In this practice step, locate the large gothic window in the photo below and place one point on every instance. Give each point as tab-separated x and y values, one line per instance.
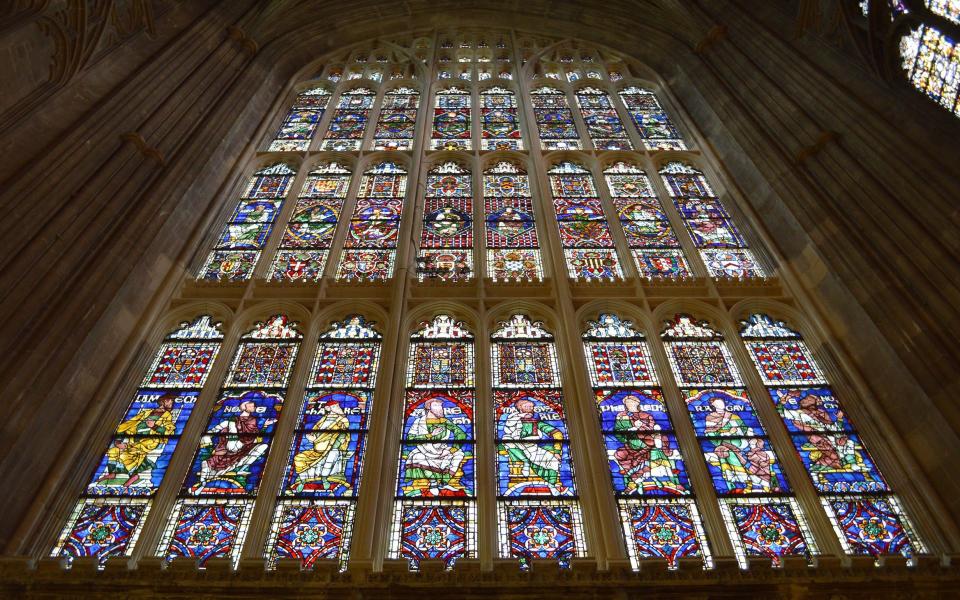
516	300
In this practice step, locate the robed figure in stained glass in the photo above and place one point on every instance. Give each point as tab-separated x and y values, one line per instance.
542	461
643	457
434	466
746	466
328	451
231	454
130	460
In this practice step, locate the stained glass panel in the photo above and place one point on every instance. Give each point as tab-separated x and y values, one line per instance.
511	234
203	529
451	120
931	60
301	122
651	121
446	240
397	122
349	120
554	120
667	529
604	126
541	530
501	125
872	526
766	528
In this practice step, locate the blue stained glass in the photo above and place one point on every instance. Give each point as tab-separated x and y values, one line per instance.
534	469
256	211
433	532
808	410
743	466
227	465
312	533
534	415
205	531
324	462
838	463
769	530
244	236
132	466
435	470
646	464
252	413
103	530
722	413
872	526
538	532
335	409
438	416
158	413
663	531
632	410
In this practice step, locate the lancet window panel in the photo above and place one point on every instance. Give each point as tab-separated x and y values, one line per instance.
653	243
931	61
722	246
314	516
107	520
446	239
369	251
301	122
513	247
588	245
238	247
604	126
397	123
539	513
651	120
452	122
501	123
865	513
302	254
211	515
554	119
648	474
761	515
435	506
349	121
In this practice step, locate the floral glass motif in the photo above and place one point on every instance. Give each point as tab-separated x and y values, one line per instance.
653	243
446	240
106	520
349	120
722	247
397	122
370	248
302	254
210	519
554	120
451	120
314	515
513	250
767	528
651	121
642	450
865	514
501	124
301	122
584	233
533	448
243	237
604	126
931	60
434	510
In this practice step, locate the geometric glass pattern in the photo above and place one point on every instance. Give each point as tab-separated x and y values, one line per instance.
243	237
369	250
210	518
588	246
301	122
866	516
533	447
501	125
349	121
653	243
314	515
651	120
107	519
766	528
604	126
722	247
451	120
554	120
446	240
434	509
306	241
669	529
397	122
513	250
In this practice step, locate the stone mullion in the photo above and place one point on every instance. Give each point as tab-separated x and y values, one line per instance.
783	447
486	452
586	140
261	519
621	246
706	497
169	490
373	115
280	221
349	203
628	125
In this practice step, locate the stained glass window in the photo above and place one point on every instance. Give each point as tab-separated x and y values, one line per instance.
652	122
306	241
370	248
314	516
931	60
397	123
588	246
653	243
865	514
435	508
949	9
108	518
301	122
501	125
451	120
349	121
446	239
761	515
212	513
513	249
238	247
536	491
654	495
722	247
554	119
603	123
